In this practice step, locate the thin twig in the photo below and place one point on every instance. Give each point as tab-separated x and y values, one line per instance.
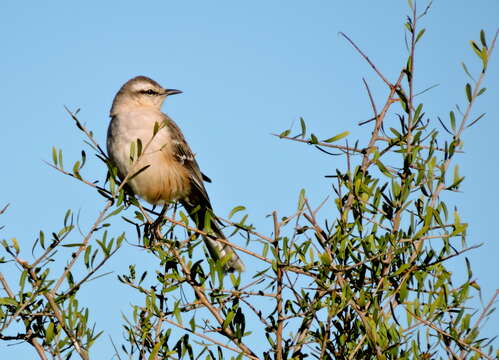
339	147
278	270
367	59
371	99
200	292
82	248
446	334
464	120
57	312
202	336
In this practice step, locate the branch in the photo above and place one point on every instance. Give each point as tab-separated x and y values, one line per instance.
389	84
210	339
446	334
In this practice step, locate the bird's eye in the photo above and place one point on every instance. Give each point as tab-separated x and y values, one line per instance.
149	92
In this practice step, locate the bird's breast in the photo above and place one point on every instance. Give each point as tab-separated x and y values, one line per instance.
165	179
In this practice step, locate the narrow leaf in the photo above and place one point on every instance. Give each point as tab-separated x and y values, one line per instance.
468	92
303	127
284	133
337	137
235	210
421	32
49	333
452	120
476	120
54	155
476	49
465	68
8	301
139	147
482	39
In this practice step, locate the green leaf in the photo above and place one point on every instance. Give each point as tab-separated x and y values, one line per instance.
475	286
115	212
452	117
456	173
468	268
8	301
482	90
120	240
421	32
383	169
15	244
156	128
155	350
176	312
42	239
468	92
83	158
465	68
408	69
76	169
228	319
303	127
265	249
476	49
428	216
49	333
54	155
337	137
132	151
482	39
73	245
403	99
60	159
476	120
313	139
235	210
284	133
67	216
192	323
207	221
22	280
396	133
184	218
86	256
139	147
301	199
418	112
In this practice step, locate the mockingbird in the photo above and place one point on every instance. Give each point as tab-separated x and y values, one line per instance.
171	172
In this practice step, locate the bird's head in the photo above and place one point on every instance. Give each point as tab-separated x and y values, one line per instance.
140	91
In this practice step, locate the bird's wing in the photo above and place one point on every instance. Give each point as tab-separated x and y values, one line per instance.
184	155
197	203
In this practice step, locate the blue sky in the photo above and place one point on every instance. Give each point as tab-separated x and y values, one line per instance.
247	69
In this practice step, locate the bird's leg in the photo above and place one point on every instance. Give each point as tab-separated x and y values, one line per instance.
173	216
156	225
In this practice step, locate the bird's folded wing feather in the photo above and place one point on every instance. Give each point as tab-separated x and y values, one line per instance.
184	155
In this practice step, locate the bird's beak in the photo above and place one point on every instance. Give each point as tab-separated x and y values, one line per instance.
169	92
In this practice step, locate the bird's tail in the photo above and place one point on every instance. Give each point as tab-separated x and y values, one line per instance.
217	249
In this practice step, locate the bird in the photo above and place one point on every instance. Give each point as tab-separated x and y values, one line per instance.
167	168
